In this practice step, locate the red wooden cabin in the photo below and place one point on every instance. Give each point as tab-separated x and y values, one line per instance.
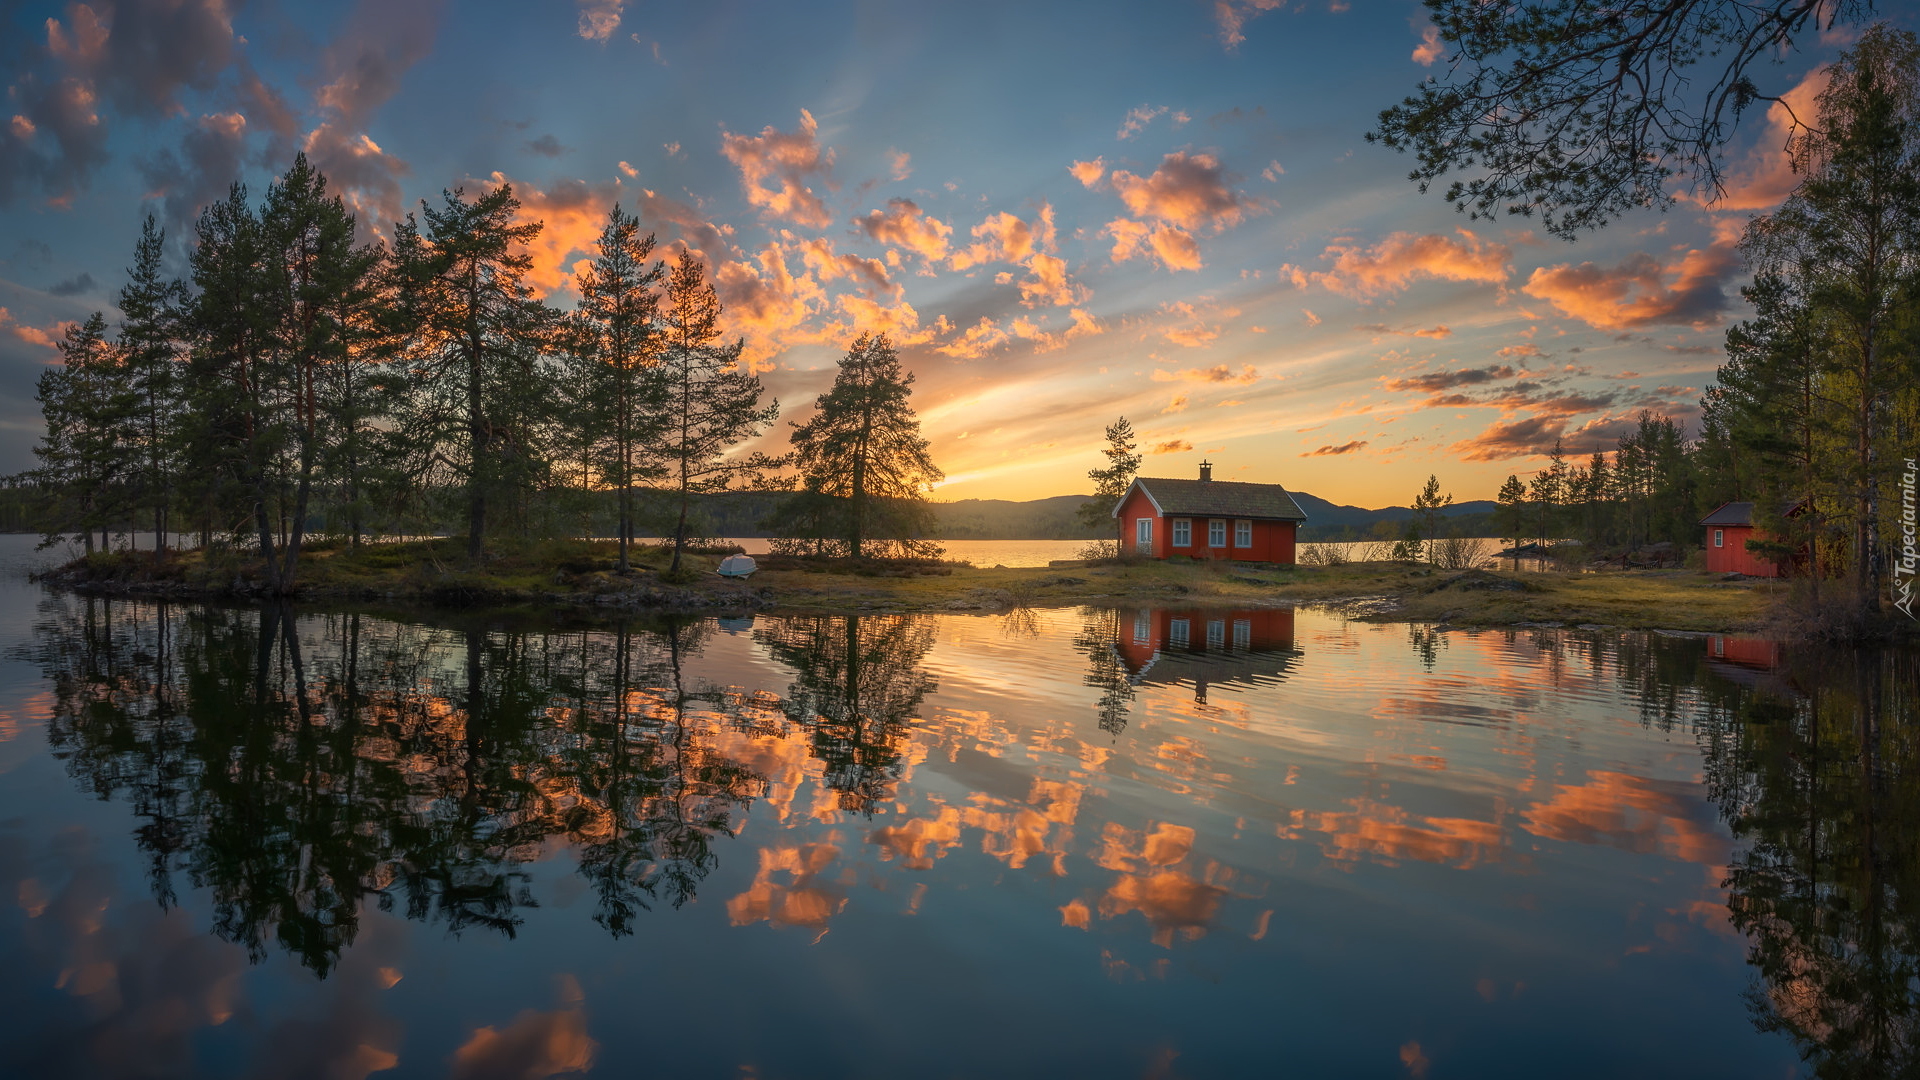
1208	519
1728	530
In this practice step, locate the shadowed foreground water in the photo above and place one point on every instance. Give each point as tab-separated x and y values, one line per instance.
1132	842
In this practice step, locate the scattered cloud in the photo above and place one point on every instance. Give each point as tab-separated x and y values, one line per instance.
1187	190
1335	451
360	71
1219	373
1137	119
208	159
903	224
1531	437
1526	350
74	286
1002	237
32	335
1089	172
1765	176
1171	446
1636	293
1232	16
1049	284
600	18
546	146
1428	382
1175	248
1435	332
900	164
1429	49
787	159
571	215
1397	261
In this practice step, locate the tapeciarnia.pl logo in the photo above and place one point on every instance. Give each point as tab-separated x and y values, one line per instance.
1909	562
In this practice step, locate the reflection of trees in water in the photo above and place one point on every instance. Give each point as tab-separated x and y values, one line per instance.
857	687
1099	641
297	769
1819	775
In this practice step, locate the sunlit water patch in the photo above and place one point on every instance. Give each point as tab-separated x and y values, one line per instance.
1102	842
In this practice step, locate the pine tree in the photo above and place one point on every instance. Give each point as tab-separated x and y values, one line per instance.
1511	516
1111	483
1427	506
707	402
87	404
149	346
863	463
313	281
231	430
617	345
1548	491
477	399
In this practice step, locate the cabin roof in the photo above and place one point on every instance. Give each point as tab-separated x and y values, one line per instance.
1216	498
1733	513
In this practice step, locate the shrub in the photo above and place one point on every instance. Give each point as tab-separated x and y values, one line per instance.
1460	552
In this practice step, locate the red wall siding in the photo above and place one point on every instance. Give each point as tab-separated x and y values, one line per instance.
1732	557
1273	541
1137	506
1279	539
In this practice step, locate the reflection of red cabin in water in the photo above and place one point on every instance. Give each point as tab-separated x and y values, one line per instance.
1728	530
1744	660
1746	651
1165	646
1208	519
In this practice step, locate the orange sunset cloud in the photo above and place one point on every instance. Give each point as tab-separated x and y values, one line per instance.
787	159
1400	259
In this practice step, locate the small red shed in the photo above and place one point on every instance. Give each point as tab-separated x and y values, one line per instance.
1728	530
1208	519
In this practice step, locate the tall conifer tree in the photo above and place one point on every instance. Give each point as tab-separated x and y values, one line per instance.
863	463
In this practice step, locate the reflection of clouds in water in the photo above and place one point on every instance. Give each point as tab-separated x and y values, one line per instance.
1635	814
800	902
1387	833
135	985
536	1045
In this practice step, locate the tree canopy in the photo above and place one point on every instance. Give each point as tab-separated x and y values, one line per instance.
1577	112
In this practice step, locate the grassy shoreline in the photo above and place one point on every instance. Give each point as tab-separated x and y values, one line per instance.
579	575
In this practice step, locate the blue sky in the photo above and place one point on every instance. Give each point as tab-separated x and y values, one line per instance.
1061	212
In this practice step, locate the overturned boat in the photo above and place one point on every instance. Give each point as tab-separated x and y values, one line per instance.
738	566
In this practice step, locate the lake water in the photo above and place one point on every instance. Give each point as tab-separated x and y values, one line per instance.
1134	842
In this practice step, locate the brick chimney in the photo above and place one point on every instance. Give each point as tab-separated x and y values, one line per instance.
1206	470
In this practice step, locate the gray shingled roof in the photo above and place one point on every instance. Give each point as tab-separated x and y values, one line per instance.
1219	498
1733	513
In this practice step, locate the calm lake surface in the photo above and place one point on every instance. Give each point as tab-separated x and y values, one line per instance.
1130	842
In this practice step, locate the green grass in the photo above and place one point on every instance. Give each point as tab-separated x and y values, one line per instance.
438	571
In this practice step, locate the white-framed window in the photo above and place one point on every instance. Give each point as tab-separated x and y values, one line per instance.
1216	633
1216	533
1243	633
1142	627
1143	534
1178	632
1243	534
1182	532
1719	538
